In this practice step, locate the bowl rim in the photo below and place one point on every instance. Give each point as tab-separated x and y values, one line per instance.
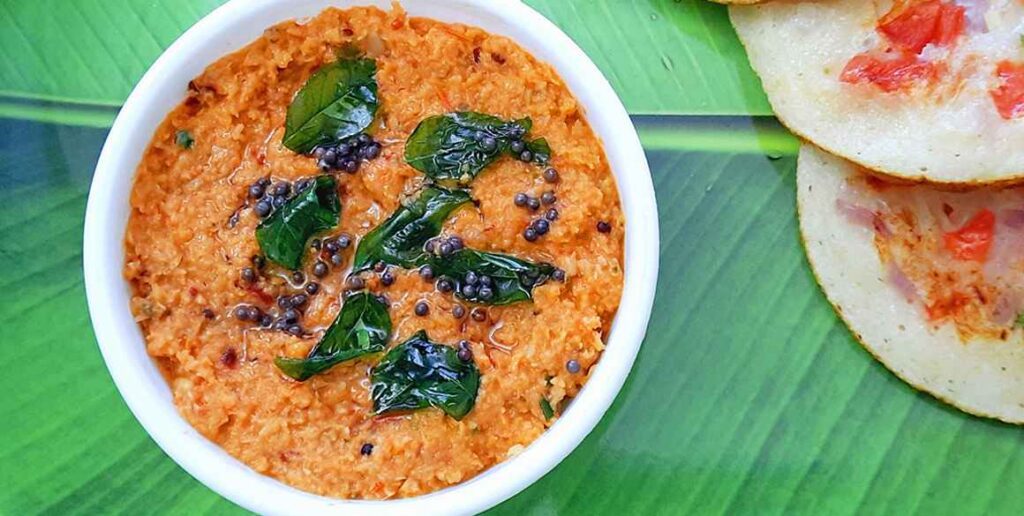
123	347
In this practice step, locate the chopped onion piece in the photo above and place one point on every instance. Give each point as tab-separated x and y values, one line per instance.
975	11
901	282
856	214
1013	218
1005	309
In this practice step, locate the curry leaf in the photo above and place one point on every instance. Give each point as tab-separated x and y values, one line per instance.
540	149
363	326
512	279
457	146
400	239
338	101
283	235
418	374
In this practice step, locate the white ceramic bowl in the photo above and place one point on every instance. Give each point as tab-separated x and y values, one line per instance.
229	28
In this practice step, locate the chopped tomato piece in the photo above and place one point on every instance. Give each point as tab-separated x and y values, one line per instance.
889	74
908	28
915	26
952	22
972	241
1009	96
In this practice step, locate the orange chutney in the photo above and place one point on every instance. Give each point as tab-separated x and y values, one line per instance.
184	257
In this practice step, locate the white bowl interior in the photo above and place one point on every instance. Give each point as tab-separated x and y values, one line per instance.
231	27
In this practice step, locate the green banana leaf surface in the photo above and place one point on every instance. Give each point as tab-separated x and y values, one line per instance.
748	396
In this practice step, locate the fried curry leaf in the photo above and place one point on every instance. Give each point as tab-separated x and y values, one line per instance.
362	327
457	146
399	240
540	149
418	374
283	235
338	101
513	278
